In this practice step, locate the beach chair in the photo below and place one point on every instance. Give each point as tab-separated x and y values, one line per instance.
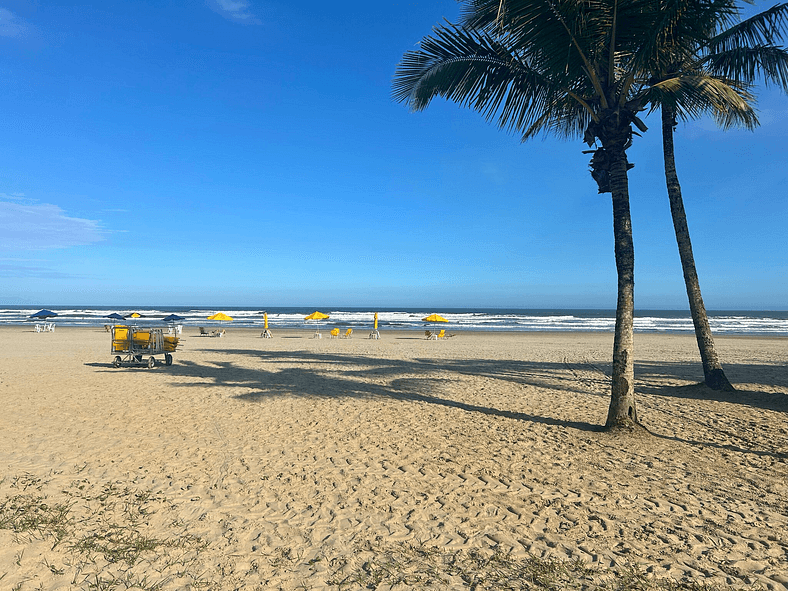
38	328
441	334
334	333
429	335
347	334
50	327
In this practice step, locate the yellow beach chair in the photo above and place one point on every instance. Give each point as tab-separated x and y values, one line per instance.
347	333
334	333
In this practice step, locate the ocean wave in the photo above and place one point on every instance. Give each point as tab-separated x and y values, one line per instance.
736	323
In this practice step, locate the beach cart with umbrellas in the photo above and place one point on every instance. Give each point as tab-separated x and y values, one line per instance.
135	345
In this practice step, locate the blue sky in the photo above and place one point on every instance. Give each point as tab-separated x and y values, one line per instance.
248	153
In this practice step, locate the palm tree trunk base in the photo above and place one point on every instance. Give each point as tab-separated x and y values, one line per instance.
627	427
716	380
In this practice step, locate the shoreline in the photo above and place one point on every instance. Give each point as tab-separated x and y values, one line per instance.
295	460
362	333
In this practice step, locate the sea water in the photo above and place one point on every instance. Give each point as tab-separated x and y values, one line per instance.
493	319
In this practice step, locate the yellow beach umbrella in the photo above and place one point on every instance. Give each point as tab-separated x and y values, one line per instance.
434	318
265	320
316	316
376	320
136	315
221	316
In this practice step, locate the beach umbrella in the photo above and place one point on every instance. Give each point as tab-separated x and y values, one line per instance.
318	316
375	334
172	318
114	316
43	314
434	318
134	315
266	333
221	316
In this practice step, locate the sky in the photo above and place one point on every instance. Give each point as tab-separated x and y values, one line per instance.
249	153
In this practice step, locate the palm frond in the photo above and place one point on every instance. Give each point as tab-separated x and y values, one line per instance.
691	96
481	73
749	64
765	28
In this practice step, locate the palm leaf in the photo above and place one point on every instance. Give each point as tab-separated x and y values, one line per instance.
692	96
765	28
481	73
749	64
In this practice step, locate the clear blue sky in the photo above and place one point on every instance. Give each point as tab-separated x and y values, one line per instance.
248	152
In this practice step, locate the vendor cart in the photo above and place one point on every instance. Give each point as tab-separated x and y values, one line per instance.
133	344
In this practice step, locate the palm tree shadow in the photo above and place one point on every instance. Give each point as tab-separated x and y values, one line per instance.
334	382
769	376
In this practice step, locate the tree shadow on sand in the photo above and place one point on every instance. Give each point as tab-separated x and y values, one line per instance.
771	376
417	380
331	375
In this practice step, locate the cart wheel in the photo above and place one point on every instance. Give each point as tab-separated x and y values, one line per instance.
117	361
167	359
151	363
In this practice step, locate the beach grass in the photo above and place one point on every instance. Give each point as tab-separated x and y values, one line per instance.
107	543
103	537
418	566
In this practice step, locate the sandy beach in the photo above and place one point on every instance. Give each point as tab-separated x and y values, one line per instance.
298	463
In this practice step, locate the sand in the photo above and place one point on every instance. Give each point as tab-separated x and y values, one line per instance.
290	463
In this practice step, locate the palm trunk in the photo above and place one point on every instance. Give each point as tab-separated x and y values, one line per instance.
623	411
712	369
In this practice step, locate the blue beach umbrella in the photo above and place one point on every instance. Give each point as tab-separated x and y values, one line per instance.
43	314
114	316
172	318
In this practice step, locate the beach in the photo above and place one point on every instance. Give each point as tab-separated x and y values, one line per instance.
298	463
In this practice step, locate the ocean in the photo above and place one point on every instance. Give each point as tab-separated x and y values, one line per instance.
773	323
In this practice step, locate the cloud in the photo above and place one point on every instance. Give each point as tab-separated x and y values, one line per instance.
11	25
235	10
43	226
26	270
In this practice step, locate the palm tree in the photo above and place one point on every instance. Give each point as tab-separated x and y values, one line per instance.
708	63
561	67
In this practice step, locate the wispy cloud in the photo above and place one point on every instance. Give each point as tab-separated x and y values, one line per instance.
11	25
21	269
25	226
235	10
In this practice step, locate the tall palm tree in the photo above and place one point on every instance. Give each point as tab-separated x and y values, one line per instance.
553	66
714	54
